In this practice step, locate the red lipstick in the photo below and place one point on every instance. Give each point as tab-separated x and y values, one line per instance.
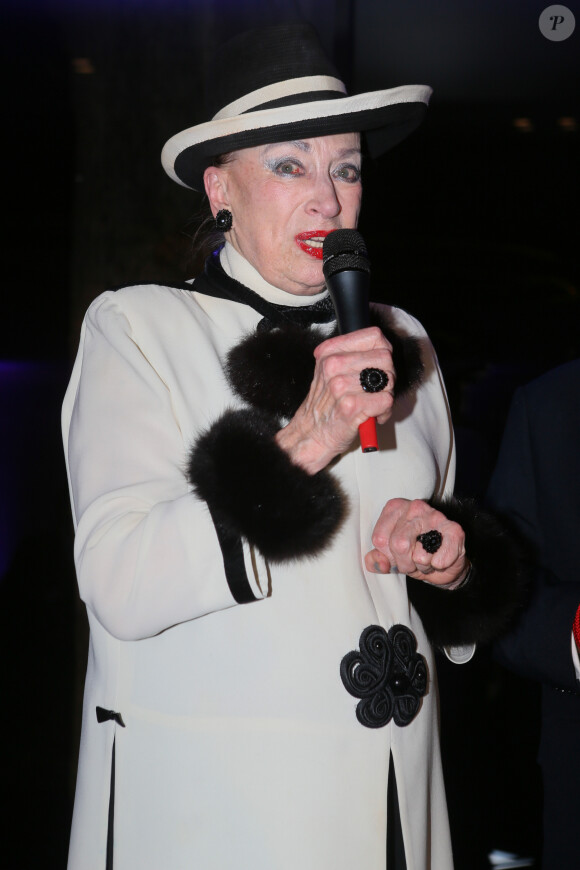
311	242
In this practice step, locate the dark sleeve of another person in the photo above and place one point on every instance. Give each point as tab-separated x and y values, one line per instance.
532	486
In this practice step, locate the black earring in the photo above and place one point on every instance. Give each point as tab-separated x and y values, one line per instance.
223	220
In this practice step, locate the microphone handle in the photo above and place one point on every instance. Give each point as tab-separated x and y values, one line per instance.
349	291
367	433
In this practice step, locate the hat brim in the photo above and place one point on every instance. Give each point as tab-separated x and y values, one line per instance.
386	117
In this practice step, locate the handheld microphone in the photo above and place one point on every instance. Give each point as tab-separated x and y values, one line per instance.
346	268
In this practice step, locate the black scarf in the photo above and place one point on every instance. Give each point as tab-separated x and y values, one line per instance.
215	282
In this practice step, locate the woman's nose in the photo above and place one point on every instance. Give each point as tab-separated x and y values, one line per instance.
324	199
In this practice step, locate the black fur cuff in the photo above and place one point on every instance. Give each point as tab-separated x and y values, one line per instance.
254	490
484	607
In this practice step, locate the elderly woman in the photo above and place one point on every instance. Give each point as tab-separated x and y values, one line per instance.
261	691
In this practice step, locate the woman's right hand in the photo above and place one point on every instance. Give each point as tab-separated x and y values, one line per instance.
328	419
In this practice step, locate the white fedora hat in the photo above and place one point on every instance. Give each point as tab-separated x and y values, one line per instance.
275	84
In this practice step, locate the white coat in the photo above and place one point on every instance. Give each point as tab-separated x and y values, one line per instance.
239	747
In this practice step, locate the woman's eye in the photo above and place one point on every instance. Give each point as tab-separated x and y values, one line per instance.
288	167
348	173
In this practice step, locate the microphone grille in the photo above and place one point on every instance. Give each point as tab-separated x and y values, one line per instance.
344	249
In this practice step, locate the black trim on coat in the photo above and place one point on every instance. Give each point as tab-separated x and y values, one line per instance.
254	491
485	606
111	816
396	859
104	715
234	562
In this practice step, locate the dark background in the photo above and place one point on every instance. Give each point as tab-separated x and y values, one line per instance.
472	225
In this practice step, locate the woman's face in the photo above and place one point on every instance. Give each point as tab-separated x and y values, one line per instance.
285	198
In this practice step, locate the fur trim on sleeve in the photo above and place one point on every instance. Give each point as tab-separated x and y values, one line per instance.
256	492
483	608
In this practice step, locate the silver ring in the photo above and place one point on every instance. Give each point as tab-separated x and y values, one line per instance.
373	380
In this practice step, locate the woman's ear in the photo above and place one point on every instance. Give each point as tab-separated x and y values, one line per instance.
215	188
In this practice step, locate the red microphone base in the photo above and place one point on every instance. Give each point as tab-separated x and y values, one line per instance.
367	432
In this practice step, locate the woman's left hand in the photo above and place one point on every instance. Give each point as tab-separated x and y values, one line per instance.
396	547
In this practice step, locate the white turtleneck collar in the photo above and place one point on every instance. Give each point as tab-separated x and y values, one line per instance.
236	266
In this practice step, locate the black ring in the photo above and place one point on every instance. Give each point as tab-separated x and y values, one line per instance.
373	380
431	541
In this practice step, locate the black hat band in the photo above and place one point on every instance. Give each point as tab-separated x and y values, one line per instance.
285	93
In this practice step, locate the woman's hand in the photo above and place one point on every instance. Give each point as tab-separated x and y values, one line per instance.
396	546
327	421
